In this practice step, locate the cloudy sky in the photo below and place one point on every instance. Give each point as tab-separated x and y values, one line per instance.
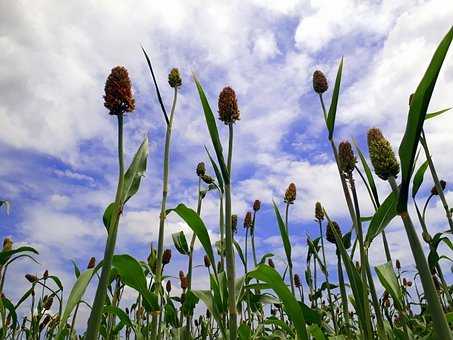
58	143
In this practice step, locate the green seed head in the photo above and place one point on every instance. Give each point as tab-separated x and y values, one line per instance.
382	156
346	158
228	106
174	79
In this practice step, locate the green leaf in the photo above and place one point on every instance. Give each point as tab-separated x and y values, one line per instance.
75	296
244	332
76	269
6	255
218	173
368	173
290	305
283	234
124	318
389	281
239	250
264	257
190	301
107	217
418	178
171	315
334	102
136	171
382	217
437	113
12	310
311	316
196	224
180	242
131	273
316	332
416	118
213	132
280	324
207	298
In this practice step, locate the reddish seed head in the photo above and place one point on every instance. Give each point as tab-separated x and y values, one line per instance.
91	263
228	106
256	205
248	220
118	96
290	194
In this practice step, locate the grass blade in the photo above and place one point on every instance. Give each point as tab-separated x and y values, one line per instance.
334	102
418	178
381	218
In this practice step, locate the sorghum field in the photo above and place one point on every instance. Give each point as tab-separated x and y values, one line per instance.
248	296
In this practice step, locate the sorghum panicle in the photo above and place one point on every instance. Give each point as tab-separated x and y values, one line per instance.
290	194
174	79
201	169
91	263
346	157
330	236
319	82
256	205
319	212
166	256
228	106
118	96
248	220
7	244
382	156
234	223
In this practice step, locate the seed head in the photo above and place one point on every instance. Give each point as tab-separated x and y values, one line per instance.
271	263
346	157
297	282
319	213
174	79
319	82
7	244
256	205
398	264
382	156
118	96
330	236
290	194
45	276
248	220
31	278
234	223
228	106
184	282
47	303
168	287
404	281
91	263
201	169
207	179
207	261
166	256
434	191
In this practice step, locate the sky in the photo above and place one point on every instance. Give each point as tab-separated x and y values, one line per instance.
58	142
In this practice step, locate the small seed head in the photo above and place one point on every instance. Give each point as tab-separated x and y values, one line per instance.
346	158
174	79
297	282
166	256
7	244
290	194
256	205
45	276
248	220
398	264
382	156
91	263
330	236
31	278
234	223
228	106
319	212
207	179
271	263
168	287
201	169
442	183
319	82
207	261
118	96
47	303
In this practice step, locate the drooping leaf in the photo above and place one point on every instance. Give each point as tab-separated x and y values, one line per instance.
180	242
416	117
418	178
136	171
213	132
264	257
382	217
334	102
290	304
197	225
6	255
131	273
389	281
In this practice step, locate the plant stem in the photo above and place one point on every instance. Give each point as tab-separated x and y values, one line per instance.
326	274
344	297
160	244
229	243
436	179
252	237
290	262
94	322
433	302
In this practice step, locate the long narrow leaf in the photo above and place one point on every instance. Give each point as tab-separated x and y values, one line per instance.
418	178
382	217
284	234
334	102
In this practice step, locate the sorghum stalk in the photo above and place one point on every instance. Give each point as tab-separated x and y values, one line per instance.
230	266
252	239
290	265
344	297
436	179
162	217
94	322
433	302
326	274
192	241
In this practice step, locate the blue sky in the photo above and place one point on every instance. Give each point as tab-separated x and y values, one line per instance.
58	143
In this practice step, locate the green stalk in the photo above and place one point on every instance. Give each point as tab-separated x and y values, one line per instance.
344	297
433	302
94	321
290	262
229	243
160	244
252	237
364	266
222	231
436	179
326	274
